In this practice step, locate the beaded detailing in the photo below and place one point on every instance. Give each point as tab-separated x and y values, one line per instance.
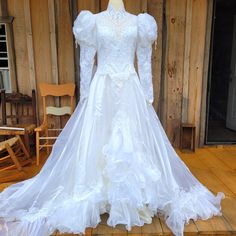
117	19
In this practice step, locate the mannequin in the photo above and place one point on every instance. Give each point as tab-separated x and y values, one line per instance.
117	4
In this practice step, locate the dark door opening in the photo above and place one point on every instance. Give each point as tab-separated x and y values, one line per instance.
221	91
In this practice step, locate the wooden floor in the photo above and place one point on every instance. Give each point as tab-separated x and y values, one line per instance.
215	167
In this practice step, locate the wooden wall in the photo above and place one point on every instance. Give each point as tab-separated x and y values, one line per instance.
44	47
183	65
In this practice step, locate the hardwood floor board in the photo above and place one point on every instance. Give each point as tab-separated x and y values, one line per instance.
165	229
216	225
229	212
193	162
28	171
214	167
210	180
190	228
225	156
104	228
228	178
208	159
135	230
152	229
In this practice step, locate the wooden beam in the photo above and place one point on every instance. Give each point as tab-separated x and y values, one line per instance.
187	48
30	51
30	48
199	21
174	67
3	8
54	54
53	40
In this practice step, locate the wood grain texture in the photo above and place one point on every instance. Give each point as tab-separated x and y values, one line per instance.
3	8
199	14
53	41
65	42
187	49
42	45
155	8
92	5
175	14
30	49
16	9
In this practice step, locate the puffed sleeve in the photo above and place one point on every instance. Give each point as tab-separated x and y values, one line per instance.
84	30
147	34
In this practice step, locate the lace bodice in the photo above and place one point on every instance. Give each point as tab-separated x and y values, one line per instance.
115	35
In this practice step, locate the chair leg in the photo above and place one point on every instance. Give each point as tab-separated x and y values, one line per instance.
27	142
47	142
13	157
23	147
37	148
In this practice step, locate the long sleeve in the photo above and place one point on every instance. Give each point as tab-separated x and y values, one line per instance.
147	34
84	31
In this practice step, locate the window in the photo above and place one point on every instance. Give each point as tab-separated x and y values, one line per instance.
5	82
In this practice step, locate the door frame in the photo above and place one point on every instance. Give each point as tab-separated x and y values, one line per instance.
206	72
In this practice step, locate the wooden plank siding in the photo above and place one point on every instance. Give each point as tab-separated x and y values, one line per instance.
175	18
16	9
45	52
196	64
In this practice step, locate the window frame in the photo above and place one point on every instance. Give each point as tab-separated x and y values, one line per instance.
8	22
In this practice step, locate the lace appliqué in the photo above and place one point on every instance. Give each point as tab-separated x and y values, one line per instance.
117	21
87	54
145	71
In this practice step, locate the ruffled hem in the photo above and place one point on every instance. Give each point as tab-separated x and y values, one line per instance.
197	203
74	216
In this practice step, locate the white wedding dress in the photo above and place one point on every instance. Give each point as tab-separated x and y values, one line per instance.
113	154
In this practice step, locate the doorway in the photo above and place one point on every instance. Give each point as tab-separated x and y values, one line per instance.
221	90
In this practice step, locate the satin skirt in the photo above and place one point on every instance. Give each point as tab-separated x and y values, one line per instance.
112	156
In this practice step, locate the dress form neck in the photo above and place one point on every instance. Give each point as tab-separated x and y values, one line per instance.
116	5
116	12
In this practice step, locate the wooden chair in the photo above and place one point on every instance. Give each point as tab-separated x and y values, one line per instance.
13	153
43	132
18	115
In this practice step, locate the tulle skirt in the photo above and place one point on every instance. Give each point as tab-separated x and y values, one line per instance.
112	156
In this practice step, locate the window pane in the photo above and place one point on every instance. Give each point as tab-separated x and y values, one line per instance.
3	47
3	63
2	29
3	54
5	80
